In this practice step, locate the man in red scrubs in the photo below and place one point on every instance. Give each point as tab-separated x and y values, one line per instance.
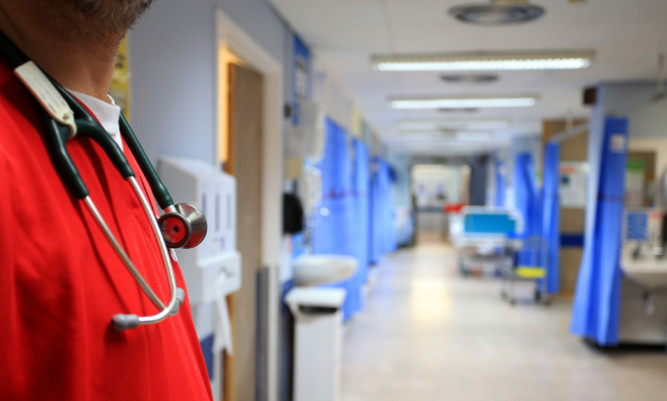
60	279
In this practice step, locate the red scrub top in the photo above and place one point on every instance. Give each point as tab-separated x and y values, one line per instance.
61	282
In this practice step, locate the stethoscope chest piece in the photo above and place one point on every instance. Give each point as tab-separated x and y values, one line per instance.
183	226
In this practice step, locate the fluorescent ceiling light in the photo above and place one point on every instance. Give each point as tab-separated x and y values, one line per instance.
453	124
425	137
463	102
485	61
450	138
475	136
425	134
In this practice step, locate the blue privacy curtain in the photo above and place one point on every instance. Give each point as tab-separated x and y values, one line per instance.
383	232
500	184
335	233
597	298
360	238
389	209
528	202
551	215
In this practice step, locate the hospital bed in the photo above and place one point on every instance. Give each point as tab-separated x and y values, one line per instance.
488	244
485	239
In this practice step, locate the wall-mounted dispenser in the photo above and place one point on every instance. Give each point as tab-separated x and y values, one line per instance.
213	269
308	134
310	189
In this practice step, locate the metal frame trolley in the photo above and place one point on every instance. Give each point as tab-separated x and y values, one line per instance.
530	264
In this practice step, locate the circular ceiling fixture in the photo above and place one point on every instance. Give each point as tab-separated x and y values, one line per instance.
498	12
469	78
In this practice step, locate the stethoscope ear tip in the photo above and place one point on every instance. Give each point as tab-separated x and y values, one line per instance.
180	298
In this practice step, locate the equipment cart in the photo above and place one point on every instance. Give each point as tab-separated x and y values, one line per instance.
530	265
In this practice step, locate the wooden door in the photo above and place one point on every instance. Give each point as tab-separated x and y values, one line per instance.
572	220
245	163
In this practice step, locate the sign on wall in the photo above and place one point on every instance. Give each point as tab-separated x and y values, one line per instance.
573	184
120	83
635	175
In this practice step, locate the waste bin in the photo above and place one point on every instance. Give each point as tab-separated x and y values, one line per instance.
318	342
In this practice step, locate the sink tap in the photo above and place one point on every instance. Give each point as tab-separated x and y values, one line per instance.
312	222
649	304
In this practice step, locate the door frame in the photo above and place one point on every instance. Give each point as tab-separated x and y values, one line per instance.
229	34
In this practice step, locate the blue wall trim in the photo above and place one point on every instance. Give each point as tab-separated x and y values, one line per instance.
572	240
207	349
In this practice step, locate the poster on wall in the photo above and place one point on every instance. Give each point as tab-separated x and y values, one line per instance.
304	115
573	184
302	75
635	175
120	83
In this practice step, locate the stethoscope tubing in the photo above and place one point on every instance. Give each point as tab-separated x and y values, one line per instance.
169	268
90	128
160	192
121	253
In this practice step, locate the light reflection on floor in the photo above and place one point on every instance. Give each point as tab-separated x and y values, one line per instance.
429	334
429	302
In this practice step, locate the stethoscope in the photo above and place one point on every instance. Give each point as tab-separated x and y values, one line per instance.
181	226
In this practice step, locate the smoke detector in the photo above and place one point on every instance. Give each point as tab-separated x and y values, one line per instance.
497	12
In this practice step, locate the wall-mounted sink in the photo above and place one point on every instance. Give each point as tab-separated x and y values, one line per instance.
312	270
647	271
650	276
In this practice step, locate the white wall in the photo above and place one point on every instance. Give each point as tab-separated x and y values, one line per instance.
649	120
426	179
172	82
172	62
335	102
648	130
648	127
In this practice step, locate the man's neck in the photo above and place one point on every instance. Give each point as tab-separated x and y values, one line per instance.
78	59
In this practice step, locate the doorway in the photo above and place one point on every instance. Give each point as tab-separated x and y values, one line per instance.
435	188
250	123
244	144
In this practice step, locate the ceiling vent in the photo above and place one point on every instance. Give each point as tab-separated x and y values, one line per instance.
497	12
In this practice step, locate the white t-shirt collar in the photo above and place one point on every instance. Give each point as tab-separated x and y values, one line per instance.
108	114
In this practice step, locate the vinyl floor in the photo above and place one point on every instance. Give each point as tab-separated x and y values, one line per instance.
428	334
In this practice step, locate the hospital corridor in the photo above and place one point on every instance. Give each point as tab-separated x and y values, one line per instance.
430	334
333	200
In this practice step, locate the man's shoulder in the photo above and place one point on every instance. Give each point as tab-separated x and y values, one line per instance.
19	123
17	109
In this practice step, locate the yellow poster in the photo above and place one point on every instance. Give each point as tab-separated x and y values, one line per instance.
120	83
